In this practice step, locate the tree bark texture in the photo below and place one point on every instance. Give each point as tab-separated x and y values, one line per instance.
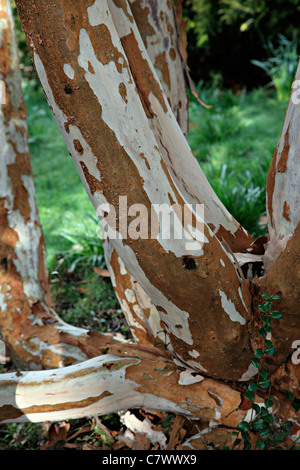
116	89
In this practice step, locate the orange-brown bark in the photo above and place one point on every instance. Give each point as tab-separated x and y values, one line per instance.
210	333
204	303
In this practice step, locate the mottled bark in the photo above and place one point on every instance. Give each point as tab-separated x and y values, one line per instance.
283	184
157	25
115	135
35	337
139	377
121	131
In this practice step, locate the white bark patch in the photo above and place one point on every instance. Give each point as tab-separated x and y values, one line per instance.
4	295
97	12
229	308
175	316
251	372
194	353
132	322
69	71
143	427
123	270
130	296
196	365
187	377
193	364
242	298
286	195
37	347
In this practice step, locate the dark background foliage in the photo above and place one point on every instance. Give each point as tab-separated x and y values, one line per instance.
226	35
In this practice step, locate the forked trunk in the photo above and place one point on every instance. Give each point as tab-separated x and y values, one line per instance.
114	81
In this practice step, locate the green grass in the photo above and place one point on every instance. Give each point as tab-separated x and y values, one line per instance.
62	201
234	142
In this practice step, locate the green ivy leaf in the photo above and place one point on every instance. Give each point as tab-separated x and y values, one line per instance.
252	387
247	445
263	373
289	395
266	296
266	319
269	402
276	315
296	405
270	351
243	426
256	408
262	332
265	383
258	353
245	435
255	362
276	297
264	308
265	433
260	444
249	395
264	411
287	426
269	419
258	424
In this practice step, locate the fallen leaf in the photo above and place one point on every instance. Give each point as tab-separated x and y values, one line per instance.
82	289
57	433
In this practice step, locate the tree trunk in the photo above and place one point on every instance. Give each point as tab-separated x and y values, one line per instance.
153	153
34	335
108	88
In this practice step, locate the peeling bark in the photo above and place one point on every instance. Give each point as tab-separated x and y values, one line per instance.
92	40
157	25
283	184
35	337
120	129
140	377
